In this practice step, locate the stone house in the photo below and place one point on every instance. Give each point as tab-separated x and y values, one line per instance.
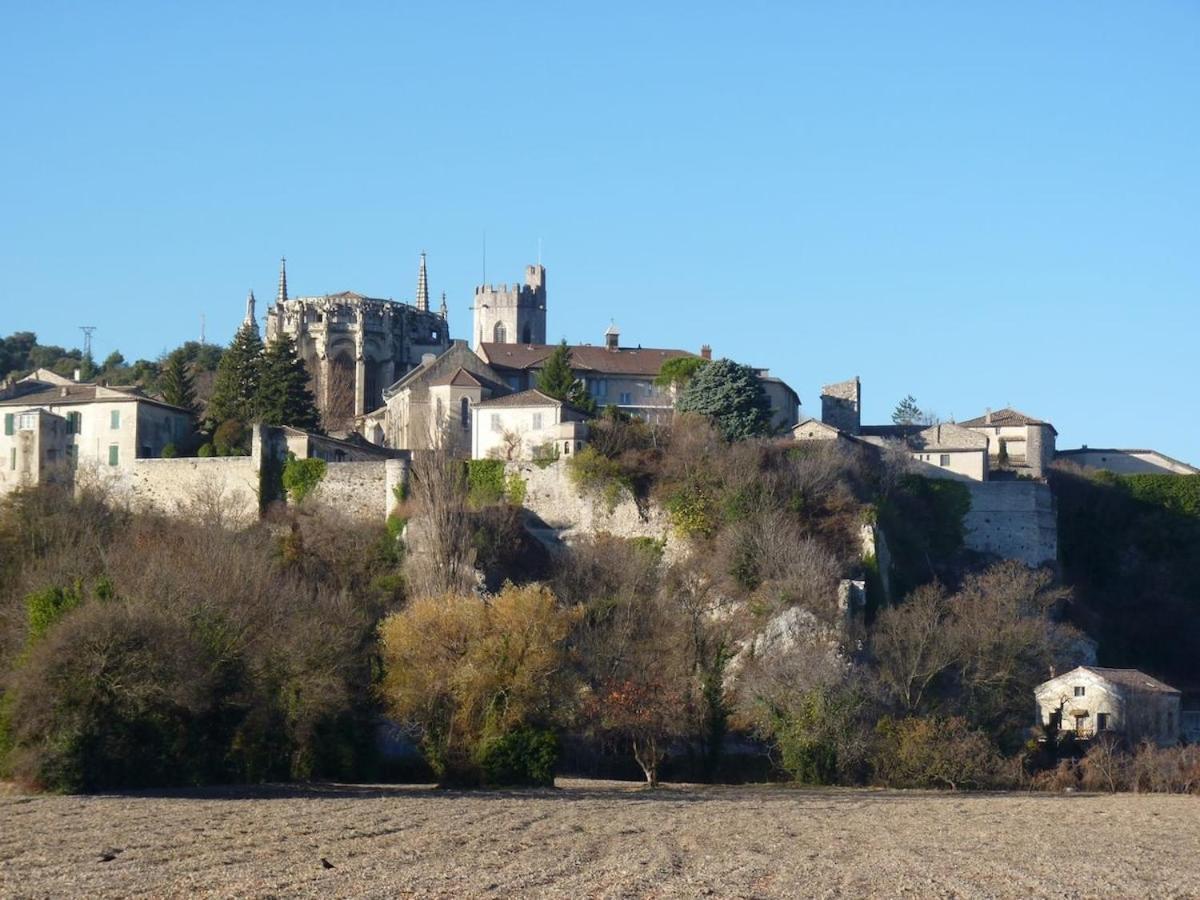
1127	462
1090	701
434	401
1016	440
950	451
527	425
51	430
815	430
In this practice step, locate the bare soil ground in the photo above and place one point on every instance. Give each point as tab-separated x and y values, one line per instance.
598	839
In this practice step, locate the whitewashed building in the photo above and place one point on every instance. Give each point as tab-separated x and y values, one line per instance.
526	425
1090	701
51	430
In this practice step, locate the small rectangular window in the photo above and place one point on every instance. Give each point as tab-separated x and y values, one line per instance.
1080	691
537	421
626	398
1102	721
73	422
945	459
114	454
496	426
27	422
115	419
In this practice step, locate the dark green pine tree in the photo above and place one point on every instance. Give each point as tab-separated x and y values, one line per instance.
235	389
557	380
732	396
284	397
176	383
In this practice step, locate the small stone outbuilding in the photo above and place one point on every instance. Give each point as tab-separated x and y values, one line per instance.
1090	701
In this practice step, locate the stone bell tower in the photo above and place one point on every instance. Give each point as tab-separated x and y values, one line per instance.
511	314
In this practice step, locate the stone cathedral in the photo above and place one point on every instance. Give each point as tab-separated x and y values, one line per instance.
356	346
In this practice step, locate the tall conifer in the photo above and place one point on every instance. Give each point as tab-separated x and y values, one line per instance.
235	390
284	397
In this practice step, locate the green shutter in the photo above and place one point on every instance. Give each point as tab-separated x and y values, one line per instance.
8	423
116	419
113	454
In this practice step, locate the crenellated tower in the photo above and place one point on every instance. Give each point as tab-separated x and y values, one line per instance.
515	314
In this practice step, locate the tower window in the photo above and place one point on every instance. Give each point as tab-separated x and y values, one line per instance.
500	333
465	412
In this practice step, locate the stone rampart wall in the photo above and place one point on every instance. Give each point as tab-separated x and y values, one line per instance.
1012	519
224	488
358	490
553	497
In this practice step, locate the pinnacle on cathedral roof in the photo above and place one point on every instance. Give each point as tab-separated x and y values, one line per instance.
422	287
282	294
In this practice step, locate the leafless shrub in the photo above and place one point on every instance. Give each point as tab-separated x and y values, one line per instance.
1105	767
1166	770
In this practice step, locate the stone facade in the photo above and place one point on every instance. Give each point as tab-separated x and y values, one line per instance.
526	425
950	451
1091	700
1127	462
58	428
1013	520
515	314
1016	440
355	346
841	405
425	407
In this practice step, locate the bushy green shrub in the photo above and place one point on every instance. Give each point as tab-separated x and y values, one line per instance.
514	489
206	451
231	438
934	753
170	451
485	481
301	476
525	757
593	472
44	608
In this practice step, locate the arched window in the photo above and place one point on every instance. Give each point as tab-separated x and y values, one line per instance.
500	334
527	335
465	412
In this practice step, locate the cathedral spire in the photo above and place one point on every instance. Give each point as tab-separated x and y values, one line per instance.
281	295
444	311
422	287
250	319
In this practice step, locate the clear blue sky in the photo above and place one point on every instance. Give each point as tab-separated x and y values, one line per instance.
978	204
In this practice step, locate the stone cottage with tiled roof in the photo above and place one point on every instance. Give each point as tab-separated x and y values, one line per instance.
1091	701
1016	440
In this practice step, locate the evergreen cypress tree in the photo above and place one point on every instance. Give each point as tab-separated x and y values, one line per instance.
557	380
176	383
284	397
235	390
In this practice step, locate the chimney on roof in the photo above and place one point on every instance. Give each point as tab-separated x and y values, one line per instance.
987	416
705	351
62	391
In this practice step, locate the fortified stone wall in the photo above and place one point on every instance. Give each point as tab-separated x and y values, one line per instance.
360	490
225	488
553	497
1012	519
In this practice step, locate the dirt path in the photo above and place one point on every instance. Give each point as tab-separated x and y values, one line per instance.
599	839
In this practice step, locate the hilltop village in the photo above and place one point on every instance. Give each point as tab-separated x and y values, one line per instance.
802	538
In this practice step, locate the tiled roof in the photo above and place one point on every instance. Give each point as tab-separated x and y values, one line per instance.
948	436
1010	417
460	377
890	431
62	395
584	358
1131	678
532	397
